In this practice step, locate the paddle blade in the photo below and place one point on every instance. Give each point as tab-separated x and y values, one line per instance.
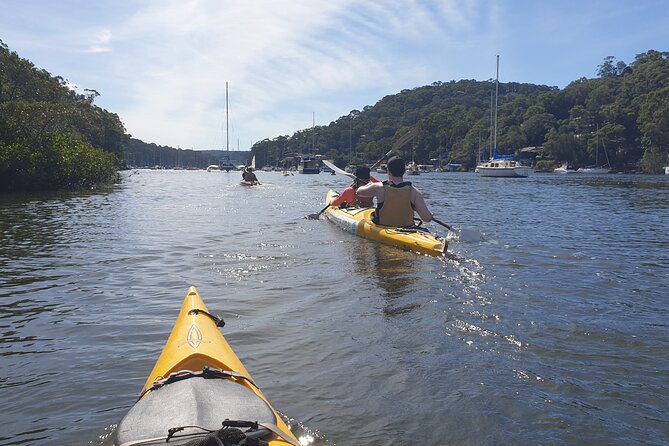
312	216
469	235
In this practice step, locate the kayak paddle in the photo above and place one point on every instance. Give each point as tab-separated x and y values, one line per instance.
469	235
348	174
315	216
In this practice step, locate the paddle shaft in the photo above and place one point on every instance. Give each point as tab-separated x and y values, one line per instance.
315	216
390	152
442	223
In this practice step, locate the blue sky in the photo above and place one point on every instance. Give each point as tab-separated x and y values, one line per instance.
162	65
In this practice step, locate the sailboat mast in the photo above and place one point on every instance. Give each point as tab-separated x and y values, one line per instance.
313	130
597	148
491	123
227	129
496	92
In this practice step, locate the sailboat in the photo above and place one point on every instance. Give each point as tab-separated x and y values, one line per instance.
501	165
225	163
597	169
308	163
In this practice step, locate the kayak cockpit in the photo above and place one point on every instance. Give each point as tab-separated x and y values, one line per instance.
196	406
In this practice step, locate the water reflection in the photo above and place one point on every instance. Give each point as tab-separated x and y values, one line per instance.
396	272
394	269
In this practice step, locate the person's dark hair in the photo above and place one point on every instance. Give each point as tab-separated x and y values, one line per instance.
362	172
396	166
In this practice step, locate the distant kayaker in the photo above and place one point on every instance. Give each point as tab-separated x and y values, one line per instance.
348	197
396	199
249	176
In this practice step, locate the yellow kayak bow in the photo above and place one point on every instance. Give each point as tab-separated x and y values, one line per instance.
199	387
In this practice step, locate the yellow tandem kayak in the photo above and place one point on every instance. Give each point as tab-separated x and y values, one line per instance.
200	390
359	222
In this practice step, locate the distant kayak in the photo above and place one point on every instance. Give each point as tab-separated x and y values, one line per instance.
248	183
359	222
199	390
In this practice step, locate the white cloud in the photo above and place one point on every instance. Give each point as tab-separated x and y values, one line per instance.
101	42
276	55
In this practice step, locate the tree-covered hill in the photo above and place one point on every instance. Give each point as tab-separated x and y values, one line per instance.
50	136
141	154
624	111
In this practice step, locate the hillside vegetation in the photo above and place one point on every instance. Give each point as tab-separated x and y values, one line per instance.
52	137
625	110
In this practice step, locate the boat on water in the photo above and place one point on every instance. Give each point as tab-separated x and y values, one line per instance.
666	170
199	390
594	170
225	163
383	168
358	221
412	169
597	169
504	166
564	168
212	167
309	165
248	183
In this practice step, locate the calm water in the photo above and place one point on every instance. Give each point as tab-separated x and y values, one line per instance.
553	330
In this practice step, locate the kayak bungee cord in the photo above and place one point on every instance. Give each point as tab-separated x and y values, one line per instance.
219	320
411	229
206	373
229	435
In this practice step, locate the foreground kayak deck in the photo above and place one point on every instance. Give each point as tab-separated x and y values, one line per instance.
197	383
359	222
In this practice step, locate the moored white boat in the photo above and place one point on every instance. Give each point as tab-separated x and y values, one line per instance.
412	169
597	169
564	168
501	166
594	170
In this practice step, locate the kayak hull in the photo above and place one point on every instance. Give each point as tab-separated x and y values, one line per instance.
198	380
358	221
248	183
